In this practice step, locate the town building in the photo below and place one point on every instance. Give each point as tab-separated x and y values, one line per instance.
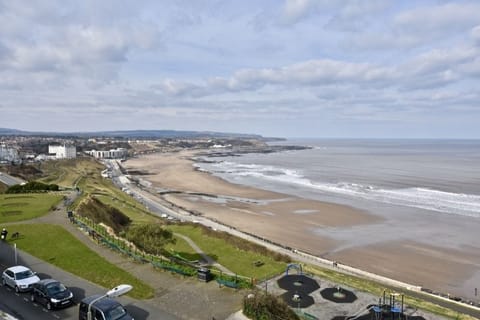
63	152
118	153
8	154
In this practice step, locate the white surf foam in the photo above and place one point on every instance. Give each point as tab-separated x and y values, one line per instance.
417	197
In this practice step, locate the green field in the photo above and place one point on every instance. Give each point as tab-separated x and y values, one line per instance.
134	211
20	207
238	261
55	245
182	248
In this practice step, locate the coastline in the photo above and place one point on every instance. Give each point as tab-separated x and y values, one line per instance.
291	221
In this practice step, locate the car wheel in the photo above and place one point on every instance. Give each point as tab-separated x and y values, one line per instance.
17	289
32	298
49	306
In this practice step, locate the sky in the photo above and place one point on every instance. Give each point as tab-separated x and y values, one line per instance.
294	68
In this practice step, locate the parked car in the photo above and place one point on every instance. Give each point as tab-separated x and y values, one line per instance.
52	294
103	309
19	278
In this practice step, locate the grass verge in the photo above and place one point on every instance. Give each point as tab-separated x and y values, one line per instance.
71	255
20	207
238	261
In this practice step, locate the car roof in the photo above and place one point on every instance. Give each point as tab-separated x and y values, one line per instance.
47	281
16	269
103	304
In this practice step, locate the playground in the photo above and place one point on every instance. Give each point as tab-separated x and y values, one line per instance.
315	298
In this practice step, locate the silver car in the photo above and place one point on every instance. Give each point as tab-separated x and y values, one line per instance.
19	278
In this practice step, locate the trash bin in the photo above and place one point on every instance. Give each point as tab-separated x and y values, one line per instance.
204	274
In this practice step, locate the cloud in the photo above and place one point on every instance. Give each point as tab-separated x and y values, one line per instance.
354	16
308	73
439	21
269	64
295	10
475	34
70	41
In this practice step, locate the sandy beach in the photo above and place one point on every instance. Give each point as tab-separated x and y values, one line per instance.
292	221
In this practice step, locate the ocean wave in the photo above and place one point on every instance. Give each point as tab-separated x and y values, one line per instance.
417	197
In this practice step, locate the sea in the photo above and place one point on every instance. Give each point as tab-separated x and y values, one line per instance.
405	181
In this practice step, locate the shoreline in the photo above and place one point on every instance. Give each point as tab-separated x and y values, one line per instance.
290	221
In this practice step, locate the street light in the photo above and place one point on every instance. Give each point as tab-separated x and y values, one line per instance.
115	292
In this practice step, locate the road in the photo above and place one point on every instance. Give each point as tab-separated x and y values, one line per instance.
9	180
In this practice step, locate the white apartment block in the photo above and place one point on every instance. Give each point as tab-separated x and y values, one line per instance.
119	153
63	152
8	154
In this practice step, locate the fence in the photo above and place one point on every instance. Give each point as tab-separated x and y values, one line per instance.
174	264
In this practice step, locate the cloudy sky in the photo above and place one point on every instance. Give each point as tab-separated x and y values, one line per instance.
295	68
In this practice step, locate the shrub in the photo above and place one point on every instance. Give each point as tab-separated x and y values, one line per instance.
259	305
32	186
98	212
150	238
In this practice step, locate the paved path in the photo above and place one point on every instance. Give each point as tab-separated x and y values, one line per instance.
209	260
10	180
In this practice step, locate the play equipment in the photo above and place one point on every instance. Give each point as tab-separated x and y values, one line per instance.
392	310
294	266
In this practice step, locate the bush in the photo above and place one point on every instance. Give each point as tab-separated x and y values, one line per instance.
151	238
259	305
32	186
98	212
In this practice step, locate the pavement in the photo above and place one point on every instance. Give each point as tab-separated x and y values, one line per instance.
10	180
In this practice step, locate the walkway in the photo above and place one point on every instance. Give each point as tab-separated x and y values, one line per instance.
206	258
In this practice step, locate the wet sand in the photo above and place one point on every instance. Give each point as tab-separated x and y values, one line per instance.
292	221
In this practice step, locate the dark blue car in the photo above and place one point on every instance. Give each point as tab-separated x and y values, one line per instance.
103	309
52	294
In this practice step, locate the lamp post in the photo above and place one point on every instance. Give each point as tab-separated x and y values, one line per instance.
115	292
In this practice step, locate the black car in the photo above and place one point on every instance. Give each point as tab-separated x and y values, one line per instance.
102	308
52	294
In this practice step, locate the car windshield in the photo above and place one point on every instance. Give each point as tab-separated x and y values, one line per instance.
24	275
54	288
115	313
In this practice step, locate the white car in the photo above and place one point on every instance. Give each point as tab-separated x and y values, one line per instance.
19	278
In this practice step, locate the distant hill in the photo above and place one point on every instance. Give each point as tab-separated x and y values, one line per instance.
9	132
135	134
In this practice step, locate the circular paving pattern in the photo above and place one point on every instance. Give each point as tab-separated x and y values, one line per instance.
298	287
